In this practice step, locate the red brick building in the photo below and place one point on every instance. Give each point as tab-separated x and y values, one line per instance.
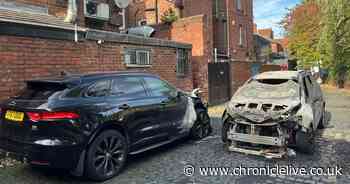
35	41
267	33
221	28
41	37
279	54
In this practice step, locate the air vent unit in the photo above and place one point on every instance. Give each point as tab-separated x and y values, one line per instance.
96	10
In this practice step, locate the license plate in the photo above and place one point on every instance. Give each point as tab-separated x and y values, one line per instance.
14	116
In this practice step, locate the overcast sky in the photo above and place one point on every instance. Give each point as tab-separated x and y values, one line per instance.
268	13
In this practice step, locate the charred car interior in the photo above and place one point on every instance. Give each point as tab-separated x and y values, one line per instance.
273	112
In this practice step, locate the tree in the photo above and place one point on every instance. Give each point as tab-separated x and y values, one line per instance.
334	44
302	25
169	16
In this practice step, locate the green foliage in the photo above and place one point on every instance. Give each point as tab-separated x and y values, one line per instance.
335	38
319	30
303	32
169	16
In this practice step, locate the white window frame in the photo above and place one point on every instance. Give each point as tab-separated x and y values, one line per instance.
241	35
137	63
138	57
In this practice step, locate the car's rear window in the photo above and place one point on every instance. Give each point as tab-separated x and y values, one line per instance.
40	90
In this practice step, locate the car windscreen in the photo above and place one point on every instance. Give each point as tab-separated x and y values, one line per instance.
40	90
273	88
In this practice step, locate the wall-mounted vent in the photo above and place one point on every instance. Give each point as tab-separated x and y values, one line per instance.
96	10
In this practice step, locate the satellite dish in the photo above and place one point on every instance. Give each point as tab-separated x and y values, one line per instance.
122	3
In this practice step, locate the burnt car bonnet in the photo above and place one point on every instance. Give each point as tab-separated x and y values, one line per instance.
259	102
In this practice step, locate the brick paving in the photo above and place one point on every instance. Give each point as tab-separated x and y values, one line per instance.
166	164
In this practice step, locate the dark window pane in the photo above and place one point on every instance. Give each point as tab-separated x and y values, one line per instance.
40	90
182	61
99	89
130	87
159	87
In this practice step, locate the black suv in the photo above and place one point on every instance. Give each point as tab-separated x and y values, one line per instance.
90	123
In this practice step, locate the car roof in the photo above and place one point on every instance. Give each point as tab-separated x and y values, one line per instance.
291	75
82	78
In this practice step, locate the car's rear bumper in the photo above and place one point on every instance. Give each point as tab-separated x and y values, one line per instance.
62	156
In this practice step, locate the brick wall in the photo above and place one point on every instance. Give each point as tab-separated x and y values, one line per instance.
240	73
238	18
33	2
24	58
267	33
59	8
149	11
193	30
276	47
265	68
162	31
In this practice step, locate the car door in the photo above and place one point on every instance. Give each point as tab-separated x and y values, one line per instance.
131	104
172	102
317	100
311	100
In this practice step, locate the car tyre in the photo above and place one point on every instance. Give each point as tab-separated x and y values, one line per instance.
322	123
201	127
225	129
305	141
106	156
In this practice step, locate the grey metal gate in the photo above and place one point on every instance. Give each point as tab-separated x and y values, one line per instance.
219	82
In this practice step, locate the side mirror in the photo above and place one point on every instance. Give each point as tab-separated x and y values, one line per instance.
196	92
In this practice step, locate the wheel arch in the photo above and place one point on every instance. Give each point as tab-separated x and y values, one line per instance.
110	126
80	167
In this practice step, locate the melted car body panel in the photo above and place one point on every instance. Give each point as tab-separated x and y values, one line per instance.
268	109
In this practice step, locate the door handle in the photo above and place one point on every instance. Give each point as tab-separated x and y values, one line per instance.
124	106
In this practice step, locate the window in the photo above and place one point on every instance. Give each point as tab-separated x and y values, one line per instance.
22	6
99	89
128	87
309	79
182	61
160	88
137	57
241	35
307	88
239	4
40	90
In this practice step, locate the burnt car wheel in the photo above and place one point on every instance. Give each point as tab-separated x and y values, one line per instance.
201	127
323	121
305	141
226	128
106	156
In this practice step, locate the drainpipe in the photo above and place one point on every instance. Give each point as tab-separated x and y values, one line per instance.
156	8
228	27
215	55
71	17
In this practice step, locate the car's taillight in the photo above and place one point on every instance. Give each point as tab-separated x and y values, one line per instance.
42	116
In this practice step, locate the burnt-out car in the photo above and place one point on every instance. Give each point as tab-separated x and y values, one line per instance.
273	111
91	123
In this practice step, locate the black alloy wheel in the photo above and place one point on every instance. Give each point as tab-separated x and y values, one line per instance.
323	120
305	141
201	127
106	156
